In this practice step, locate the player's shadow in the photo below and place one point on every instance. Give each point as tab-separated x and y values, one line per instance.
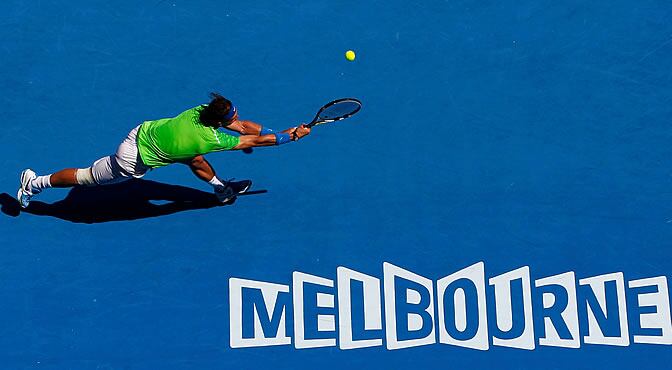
130	200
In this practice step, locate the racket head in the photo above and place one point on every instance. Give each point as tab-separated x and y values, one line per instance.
336	110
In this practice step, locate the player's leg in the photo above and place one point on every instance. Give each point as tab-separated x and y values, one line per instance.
103	171
126	163
32	184
202	169
225	191
66	178
35	184
62	179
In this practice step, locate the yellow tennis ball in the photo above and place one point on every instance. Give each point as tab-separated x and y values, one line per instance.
350	55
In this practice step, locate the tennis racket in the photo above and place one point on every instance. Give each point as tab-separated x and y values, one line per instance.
336	110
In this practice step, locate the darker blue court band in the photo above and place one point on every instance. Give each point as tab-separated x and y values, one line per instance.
282	139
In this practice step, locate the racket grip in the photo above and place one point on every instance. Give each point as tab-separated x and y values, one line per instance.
294	136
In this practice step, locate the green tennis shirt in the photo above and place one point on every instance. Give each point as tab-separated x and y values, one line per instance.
169	140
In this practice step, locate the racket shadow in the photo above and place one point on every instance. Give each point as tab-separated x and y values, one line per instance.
131	200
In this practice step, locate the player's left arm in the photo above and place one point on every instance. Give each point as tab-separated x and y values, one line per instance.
245	127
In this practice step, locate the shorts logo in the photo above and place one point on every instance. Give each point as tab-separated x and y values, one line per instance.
408	310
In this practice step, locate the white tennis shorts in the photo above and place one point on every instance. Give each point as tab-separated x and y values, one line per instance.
123	165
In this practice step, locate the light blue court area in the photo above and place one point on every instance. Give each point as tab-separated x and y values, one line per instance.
502	201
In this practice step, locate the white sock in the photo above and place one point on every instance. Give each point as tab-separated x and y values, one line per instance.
216	183
40	183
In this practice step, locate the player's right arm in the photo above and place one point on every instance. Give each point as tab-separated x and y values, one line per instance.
251	141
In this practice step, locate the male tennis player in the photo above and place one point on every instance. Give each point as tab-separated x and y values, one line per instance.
182	139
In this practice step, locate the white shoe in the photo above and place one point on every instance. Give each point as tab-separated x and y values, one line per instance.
25	190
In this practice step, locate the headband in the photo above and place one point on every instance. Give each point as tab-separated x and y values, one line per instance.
232	112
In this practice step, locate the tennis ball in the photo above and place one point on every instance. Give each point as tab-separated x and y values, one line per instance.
350	55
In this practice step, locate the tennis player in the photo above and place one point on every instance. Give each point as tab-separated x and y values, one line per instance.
182	139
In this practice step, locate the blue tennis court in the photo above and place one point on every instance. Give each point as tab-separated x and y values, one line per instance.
500	143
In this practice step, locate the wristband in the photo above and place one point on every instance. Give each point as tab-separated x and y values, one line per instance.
265	131
282	139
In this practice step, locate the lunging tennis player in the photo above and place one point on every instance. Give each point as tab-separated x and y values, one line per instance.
183	139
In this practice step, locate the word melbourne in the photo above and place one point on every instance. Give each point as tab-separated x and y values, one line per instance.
410	310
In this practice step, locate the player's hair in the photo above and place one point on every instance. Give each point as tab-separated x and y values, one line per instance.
211	114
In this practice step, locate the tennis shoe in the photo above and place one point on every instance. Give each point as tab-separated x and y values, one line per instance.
225	194
231	190
25	192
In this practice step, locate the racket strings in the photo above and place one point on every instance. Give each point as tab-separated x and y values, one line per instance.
339	110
